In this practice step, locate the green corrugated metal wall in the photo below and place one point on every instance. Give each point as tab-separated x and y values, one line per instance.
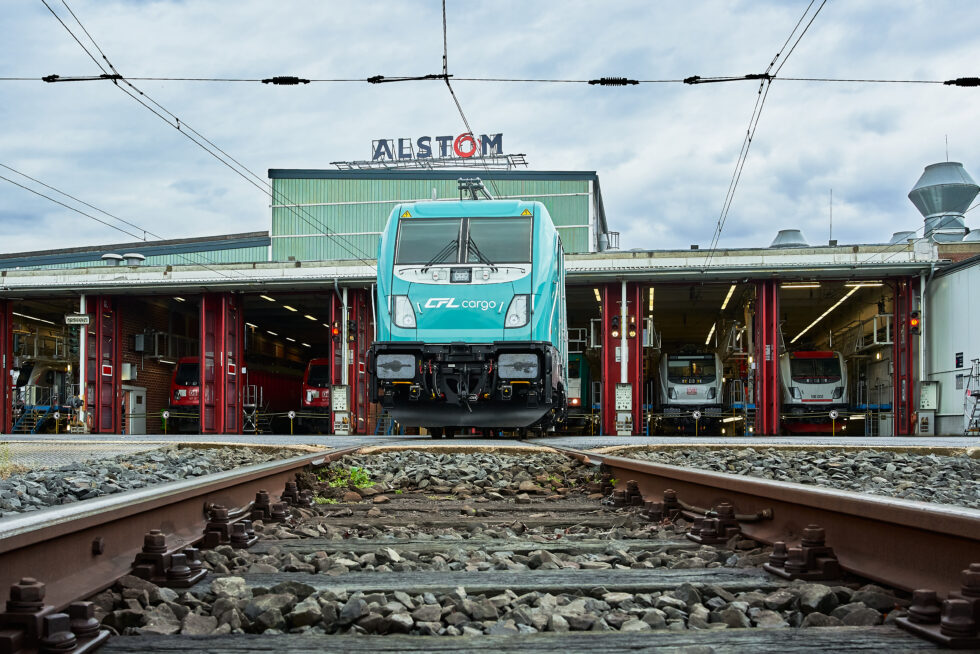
358	210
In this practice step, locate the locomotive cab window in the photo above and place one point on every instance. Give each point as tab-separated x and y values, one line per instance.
428	241
815	370
499	240
319	377
188	374
690	372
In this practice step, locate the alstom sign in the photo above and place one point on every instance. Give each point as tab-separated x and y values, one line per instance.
463	146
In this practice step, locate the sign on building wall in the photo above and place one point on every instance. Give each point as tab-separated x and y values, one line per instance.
463	146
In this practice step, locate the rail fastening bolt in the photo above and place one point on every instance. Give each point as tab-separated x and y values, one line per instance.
27	591
925	608
778	556
813	536
178	569
83	622
958	618
971	580
154	542
57	634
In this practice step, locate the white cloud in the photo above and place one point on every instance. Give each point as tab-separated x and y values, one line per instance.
664	153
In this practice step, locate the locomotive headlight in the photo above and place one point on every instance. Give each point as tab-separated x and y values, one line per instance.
402	311
838	392
395	366
517	366
712	392
517	312
795	392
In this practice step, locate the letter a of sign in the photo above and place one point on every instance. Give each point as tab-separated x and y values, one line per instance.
526	212
406	215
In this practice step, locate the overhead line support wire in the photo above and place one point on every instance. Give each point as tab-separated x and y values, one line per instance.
262	185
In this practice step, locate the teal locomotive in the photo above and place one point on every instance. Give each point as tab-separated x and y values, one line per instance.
471	323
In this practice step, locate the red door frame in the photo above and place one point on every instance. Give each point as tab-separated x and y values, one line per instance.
611	306
6	365
221	338
903	378
103	355
768	395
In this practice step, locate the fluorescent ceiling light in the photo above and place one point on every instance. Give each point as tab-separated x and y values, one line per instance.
24	315
650	296
708	340
598	298
167	361
826	313
252	325
291	340
306	344
179	299
273	333
800	285
266	297
870	282
286	306
727	297
309	317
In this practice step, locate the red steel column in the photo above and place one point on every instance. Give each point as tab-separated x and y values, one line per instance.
210	335
612	298
6	364
103	376
610	366
767	390
359	311
902	358
230	358
634	295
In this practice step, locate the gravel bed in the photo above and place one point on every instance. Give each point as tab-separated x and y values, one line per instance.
82	481
469	473
135	606
926	478
389	557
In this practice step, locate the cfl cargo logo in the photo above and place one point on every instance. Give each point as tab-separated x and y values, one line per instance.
451	303
463	146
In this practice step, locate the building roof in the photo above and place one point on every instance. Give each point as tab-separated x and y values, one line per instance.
146	248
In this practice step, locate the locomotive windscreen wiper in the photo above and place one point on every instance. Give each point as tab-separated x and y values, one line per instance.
471	246
441	254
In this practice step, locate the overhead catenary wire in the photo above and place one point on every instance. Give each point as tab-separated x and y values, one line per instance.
145	232
175	122
459	107
763	93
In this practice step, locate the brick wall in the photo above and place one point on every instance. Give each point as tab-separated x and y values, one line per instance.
141	316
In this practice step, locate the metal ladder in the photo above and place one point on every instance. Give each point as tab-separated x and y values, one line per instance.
971	401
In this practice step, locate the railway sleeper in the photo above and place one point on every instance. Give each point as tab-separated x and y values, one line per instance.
28	625
956	622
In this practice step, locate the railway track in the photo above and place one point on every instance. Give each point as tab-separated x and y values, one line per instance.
432	563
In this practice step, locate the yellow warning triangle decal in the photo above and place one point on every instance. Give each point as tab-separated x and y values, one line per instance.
526	212
406	215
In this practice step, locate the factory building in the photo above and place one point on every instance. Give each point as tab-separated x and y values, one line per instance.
268	331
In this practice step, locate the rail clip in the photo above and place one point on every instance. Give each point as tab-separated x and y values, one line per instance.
811	561
954	624
30	625
163	567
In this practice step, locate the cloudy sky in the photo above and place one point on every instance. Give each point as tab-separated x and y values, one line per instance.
664	153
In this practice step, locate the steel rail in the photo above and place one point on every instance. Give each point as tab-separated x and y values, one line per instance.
901	543
82	548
